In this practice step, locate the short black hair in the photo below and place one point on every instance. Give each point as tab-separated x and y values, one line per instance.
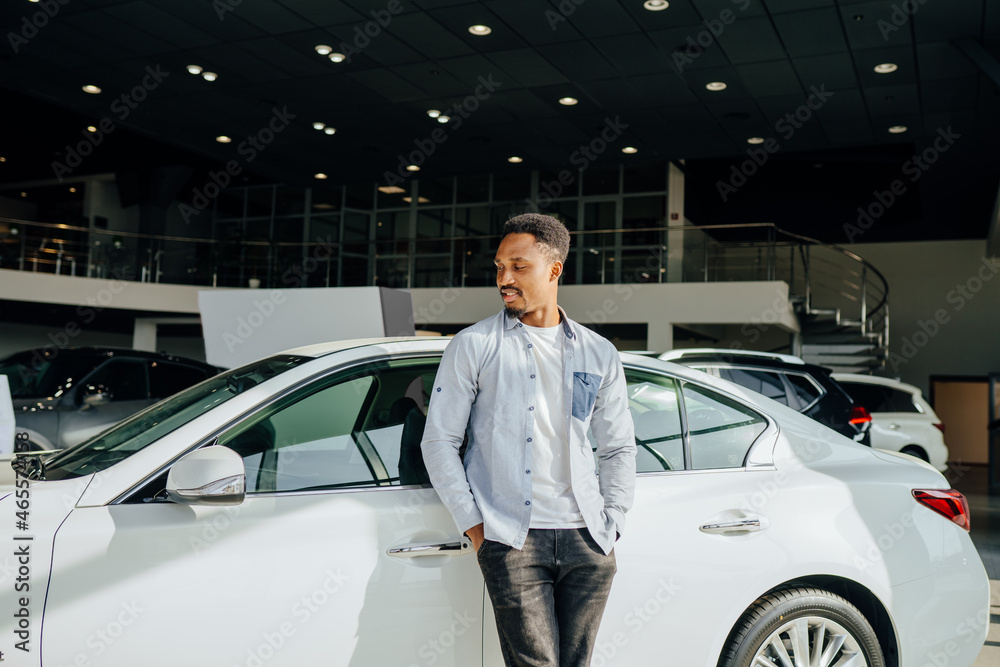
548	231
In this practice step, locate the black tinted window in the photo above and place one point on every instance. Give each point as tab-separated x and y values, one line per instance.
805	390
869	396
166	379
763	382
124	378
899	401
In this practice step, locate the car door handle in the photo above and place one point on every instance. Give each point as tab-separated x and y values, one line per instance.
751	524
893	426
440	549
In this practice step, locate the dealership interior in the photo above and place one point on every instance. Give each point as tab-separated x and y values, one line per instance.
748	176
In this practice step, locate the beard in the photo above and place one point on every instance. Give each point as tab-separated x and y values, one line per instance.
514	313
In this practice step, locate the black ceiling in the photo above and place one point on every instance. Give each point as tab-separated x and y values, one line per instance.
617	58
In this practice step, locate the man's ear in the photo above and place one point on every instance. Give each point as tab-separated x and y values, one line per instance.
556	270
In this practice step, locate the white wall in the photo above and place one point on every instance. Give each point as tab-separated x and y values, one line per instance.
944	299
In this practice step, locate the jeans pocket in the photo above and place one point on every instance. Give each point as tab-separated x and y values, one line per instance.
585	386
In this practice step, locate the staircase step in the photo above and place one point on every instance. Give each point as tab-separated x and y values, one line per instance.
835	348
858	370
841	359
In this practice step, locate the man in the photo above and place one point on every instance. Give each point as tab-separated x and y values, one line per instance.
526	386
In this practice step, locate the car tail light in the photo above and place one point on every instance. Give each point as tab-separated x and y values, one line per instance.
860	415
949	503
939	426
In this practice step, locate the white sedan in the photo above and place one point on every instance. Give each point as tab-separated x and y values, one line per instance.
278	514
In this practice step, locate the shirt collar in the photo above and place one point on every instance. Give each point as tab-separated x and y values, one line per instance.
568	324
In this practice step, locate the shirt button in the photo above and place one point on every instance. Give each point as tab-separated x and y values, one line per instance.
519	324
532	376
527	502
531	407
439	388
529	344
529	439
527	472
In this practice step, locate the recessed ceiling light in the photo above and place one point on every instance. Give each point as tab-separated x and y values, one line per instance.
194	69
72	189
24	194
420	200
515	159
412	167
3	159
656	5
319	126
391	189
92	89
329	130
323	49
480	30
443	119
568	101
209	76
223	139
897	129
338	57
91	128
320	176
433	113
755	140
886	68
630	150
716	85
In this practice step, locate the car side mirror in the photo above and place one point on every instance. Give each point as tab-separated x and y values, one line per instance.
94	397
208	476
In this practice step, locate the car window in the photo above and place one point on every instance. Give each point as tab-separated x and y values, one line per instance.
805	389
656	415
124	378
355	430
872	397
900	401
768	383
45	372
721	430
166	378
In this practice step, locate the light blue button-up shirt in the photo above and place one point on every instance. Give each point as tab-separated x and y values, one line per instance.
485	389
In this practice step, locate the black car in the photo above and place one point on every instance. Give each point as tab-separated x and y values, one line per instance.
787	379
63	396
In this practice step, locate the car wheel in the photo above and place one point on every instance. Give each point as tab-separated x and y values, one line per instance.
802	626
913	450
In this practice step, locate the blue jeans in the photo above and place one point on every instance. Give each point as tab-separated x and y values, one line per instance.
548	597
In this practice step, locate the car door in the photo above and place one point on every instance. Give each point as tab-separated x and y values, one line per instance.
126	381
328	560
689	541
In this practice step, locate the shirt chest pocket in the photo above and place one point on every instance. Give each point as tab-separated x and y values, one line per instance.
585	386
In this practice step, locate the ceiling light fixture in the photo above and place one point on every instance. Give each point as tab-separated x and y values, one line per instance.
223	139
480	30
755	140
91	128
209	76
194	69
656	5
323	49
391	189
443	119
24	194
630	150
319	126
320	176
433	113
886	68
92	89
412	167
72	189
420	200
515	159
716	85
897	129
338	57
329	130
568	101
3	159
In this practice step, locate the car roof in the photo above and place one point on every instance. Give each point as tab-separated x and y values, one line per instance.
874	379
322	349
728	354
109	351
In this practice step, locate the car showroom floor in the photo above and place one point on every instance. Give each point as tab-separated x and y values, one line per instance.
986	536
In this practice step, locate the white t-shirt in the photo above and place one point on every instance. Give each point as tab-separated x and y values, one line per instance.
552	502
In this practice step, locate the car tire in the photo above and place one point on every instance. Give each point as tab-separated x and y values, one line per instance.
918	452
787	621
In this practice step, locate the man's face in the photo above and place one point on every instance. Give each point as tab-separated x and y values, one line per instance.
526	275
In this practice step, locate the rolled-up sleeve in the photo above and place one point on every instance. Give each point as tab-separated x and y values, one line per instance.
614	435
455	390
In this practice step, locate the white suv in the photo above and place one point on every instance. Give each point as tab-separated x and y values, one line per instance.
902	421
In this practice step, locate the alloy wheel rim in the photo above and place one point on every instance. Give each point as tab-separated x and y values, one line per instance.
812	641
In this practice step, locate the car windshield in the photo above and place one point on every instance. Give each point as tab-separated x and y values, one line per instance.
45	372
142	429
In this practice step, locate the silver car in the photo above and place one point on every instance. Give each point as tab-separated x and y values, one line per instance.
63	396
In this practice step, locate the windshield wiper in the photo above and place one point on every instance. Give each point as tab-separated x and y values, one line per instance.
29	466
